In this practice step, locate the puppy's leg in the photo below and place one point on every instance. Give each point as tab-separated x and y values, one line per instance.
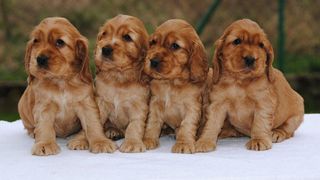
286	130
45	136
88	113
79	142
185	136
154	124
262	125
215	115
111	131
135	130
25	111
229	131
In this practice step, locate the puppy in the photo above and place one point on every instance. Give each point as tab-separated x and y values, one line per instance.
59	99
122	89
177	63
248	93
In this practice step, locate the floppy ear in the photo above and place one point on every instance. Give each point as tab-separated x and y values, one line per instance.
100	34
82	57
27	57
198	63
99	37
270	57
143	77
216	61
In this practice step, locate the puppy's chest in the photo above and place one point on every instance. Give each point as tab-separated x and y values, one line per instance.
173	103
169	97
66	120
121	99
117	95
239	103
64	101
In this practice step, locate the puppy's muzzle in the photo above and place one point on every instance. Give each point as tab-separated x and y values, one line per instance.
107	51
249	61
42	61
154	63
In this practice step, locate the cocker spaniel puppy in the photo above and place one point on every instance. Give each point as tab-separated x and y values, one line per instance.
248	93
122	88
177	63
59	99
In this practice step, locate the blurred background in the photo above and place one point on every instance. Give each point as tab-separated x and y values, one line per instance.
292	26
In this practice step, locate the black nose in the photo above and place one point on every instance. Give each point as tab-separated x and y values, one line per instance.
42	60
107	51
154	63
249	60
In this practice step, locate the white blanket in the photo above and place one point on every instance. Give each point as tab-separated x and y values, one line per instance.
296	158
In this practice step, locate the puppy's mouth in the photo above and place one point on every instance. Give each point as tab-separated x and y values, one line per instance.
107	53
43	61
247	65
155	66
248	69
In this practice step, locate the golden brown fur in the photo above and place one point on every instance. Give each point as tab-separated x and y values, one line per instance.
177	62
59	99
122	90
251	95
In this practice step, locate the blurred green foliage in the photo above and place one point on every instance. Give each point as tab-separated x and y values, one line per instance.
302	46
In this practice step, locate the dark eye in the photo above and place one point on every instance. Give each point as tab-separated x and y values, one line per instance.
104	33
60	43
153	42
236	41
35	41
174	46
127	38
261	45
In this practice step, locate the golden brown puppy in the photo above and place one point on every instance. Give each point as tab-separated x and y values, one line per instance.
177	62
59	99
122	93
248	92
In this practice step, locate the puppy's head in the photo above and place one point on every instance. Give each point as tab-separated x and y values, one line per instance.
56	49
244	51
176	52
121	43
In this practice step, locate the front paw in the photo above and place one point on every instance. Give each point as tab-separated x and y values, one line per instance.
113	134
78	144
205	145
45	148
183	147
279	135
132	146
259	144
151	143
103	146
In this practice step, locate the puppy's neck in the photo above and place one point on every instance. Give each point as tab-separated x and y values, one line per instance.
233	78
120	76
58	82
172	82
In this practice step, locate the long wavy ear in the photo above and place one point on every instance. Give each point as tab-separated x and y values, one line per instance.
99	37
198	63
144	78
270	56
216	61
27	58
82	58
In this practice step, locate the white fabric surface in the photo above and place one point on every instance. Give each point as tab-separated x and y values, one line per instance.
296	158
